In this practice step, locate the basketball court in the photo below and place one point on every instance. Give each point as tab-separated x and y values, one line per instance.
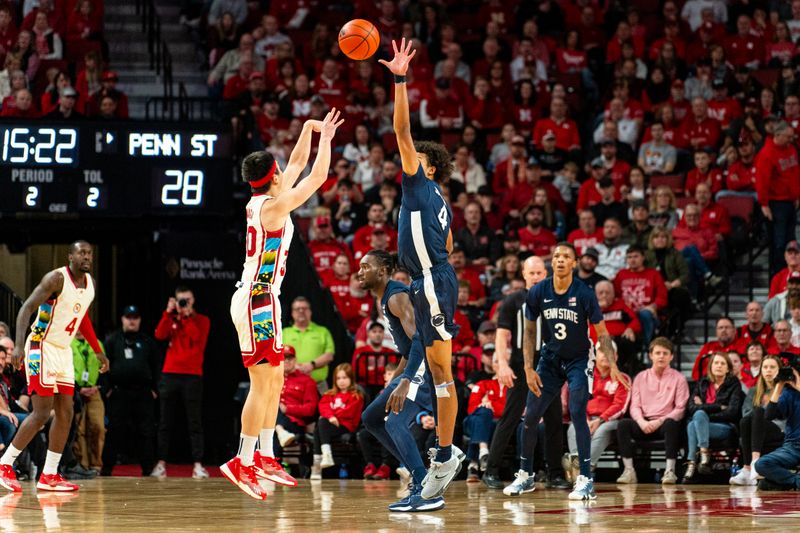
180	504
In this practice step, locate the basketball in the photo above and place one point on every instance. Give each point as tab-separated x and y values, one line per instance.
359	39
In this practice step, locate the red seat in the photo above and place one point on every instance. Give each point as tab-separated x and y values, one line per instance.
768	77
683	201
738	206
450	139
673	181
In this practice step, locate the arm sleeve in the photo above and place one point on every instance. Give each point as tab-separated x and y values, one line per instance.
87	330
415	357
164	327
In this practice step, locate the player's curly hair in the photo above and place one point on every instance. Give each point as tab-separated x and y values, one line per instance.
385	259
438	157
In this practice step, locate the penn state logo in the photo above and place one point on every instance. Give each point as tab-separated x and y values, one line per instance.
77	308
437	320
418	380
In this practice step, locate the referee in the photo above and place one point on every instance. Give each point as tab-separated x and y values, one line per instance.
511	374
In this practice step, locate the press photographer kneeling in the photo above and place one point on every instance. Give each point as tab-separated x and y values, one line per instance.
778	468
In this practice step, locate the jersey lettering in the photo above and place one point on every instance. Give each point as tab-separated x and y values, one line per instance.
559	313
443	217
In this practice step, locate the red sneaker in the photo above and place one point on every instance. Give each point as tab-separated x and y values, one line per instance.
8	479
369	471
269	468
382	474
56	483
243	477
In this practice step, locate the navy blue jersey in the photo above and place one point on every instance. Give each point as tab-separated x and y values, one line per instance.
423	225
565	317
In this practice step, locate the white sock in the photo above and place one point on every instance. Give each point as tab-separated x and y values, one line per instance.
628	462
247	445
326	449
51	463
671	464
265	440
10	455
484	450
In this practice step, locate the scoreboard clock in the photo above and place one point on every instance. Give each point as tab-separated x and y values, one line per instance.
109	169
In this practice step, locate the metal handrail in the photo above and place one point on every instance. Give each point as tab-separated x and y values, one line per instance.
10	304
157	49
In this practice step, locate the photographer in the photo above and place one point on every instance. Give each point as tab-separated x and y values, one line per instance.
182	376
778	467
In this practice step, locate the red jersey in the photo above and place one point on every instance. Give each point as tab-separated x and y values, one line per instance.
745	337
324	253
705	133
491	389
743	50
724	110
640	289
339	287
300	396
540	243
582	240
779	282
345	406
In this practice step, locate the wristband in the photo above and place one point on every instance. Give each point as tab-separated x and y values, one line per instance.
399	79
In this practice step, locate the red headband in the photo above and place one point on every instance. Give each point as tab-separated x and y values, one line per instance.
261	182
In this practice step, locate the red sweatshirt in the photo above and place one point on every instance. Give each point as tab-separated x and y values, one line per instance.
712	177
779	282
639	289
300	397
741	177
609	398
491	388
777	173
619	317
582	240
345	406
187	343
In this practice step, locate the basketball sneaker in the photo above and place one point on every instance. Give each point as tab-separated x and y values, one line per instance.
415	503
269	468
56	483
440	475
160	471
8	478
584	489
523	483
198	472
243	477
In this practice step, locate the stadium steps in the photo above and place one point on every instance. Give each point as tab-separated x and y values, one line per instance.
130	59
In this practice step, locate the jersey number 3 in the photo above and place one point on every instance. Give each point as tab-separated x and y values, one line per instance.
443	217
561	331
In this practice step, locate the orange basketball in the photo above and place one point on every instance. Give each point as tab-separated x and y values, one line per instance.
359	39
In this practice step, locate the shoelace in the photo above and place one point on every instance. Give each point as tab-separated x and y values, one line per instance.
581	483
431	454
519	480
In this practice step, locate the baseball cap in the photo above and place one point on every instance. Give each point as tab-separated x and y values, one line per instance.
288	351
718	83
131	310
322	221
487	325
317	99
794	275
638	203
597	162
378	230
533	162
591	251
792	245
68	91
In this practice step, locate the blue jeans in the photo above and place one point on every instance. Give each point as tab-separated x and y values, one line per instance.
649	324
782	230
8	429
701	430
779	465
479	426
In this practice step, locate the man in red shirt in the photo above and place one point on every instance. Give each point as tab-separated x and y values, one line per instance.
337	278
369	371
329	86
511	171
698	130
713	216
534	237
376	218
298	405
622	324
587	234
780	280
566	130
741	174
782	339
722	107
726	342
744	49
643	290
182	376
778	189
324	247
589	193
754	330
689	233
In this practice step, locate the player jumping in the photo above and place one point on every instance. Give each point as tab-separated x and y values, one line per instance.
63	298
566	306
255	308
411	379
424	242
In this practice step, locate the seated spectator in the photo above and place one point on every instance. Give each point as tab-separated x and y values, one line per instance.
48	42
670	263
357	304
466	314
373	452
66	106
370	372
49	100
663	209
713	216
337	278
703	172
339	413
755	354
721	107
608	404
221	36
736	369
510	171
23	106
587	266
487	400
643	290
298	403
697	244
10	414
725	342
10	66
477	291
639	230
758	435
269	38
777	307
442	110
587	234
699	131
240	82
376	218
483	352
87	82
637	188
476	239
657	156
358	150
368	172
527	63
791	255
324	248
109	88
755	329
26	49
589	193
609	206
778	468
565	129
627	128
313	343
534	237
612	251
781	342
658	403
744	48
699	84
228	64
349	212
82	23
466	171
714	409
508	269
550	157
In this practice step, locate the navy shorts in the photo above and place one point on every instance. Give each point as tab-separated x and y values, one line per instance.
554	371
434	295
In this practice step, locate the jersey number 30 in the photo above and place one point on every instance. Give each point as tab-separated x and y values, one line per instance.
561	331
443	217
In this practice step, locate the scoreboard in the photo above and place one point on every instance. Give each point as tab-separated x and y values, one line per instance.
114	169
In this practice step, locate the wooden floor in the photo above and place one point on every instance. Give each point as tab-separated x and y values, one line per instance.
179	504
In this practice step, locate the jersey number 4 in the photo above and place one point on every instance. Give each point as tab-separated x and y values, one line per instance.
443	217
561	331
71	326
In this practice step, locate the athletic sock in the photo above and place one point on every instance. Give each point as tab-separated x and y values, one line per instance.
627	462
265	441
418	474
247	446
326	449
10	455
443	454
671	464
51	463
483	451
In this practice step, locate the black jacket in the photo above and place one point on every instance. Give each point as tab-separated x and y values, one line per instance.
730	395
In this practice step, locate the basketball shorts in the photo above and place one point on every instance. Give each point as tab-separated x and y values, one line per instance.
554	371
49	369
257	318
434	295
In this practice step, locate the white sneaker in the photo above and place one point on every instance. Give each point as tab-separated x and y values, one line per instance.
441	474
327	460
522	484
755	476
160	471
669	477
628	477
285	438
405	475
741	478
199	472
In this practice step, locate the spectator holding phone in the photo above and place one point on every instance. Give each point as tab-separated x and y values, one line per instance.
778	467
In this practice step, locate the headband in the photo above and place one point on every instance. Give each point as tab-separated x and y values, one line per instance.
261	182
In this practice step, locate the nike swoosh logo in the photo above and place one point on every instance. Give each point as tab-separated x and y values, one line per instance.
547	301
416	292
441	477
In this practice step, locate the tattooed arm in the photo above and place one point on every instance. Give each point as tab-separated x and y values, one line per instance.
528	352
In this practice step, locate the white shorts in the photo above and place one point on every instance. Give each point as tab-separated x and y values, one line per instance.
259	328
50	370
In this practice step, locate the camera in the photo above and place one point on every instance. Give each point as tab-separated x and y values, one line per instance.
183	302
785	373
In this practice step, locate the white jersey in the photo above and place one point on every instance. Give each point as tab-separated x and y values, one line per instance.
58	319
266	251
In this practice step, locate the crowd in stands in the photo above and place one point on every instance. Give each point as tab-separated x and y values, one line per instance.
54	60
